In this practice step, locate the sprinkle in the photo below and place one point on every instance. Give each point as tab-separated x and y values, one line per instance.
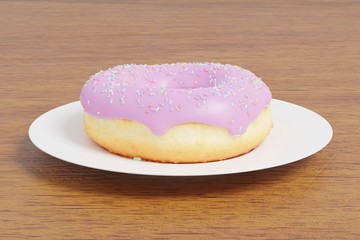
241	128
161	90
184	69
256	82
243	105
137	158
254	102
98	113
111	101
156	109
88	102
122	100
137	91
221	85
213	81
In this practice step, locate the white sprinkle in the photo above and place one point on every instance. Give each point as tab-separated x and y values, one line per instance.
161	90
184	69
122	100
213	81
137	91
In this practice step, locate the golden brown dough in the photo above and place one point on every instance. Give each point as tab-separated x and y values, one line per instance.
186	143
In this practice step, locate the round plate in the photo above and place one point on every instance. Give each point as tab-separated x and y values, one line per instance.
297	133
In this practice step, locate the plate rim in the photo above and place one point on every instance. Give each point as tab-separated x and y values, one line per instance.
34	141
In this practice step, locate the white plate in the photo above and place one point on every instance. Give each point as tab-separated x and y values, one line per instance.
297	133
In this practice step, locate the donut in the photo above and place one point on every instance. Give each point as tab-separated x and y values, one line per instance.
177	113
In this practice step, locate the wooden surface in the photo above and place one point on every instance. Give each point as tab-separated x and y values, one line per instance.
306	51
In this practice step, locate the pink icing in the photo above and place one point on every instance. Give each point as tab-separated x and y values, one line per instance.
162	96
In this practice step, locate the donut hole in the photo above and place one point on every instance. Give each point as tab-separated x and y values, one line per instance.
183	82
182	76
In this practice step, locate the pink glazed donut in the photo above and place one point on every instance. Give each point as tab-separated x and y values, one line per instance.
177	113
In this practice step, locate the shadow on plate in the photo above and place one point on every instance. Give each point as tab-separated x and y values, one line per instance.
48	168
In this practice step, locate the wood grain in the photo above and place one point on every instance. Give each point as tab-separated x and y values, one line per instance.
307	52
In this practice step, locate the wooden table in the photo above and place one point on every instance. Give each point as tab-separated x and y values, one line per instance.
306	51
